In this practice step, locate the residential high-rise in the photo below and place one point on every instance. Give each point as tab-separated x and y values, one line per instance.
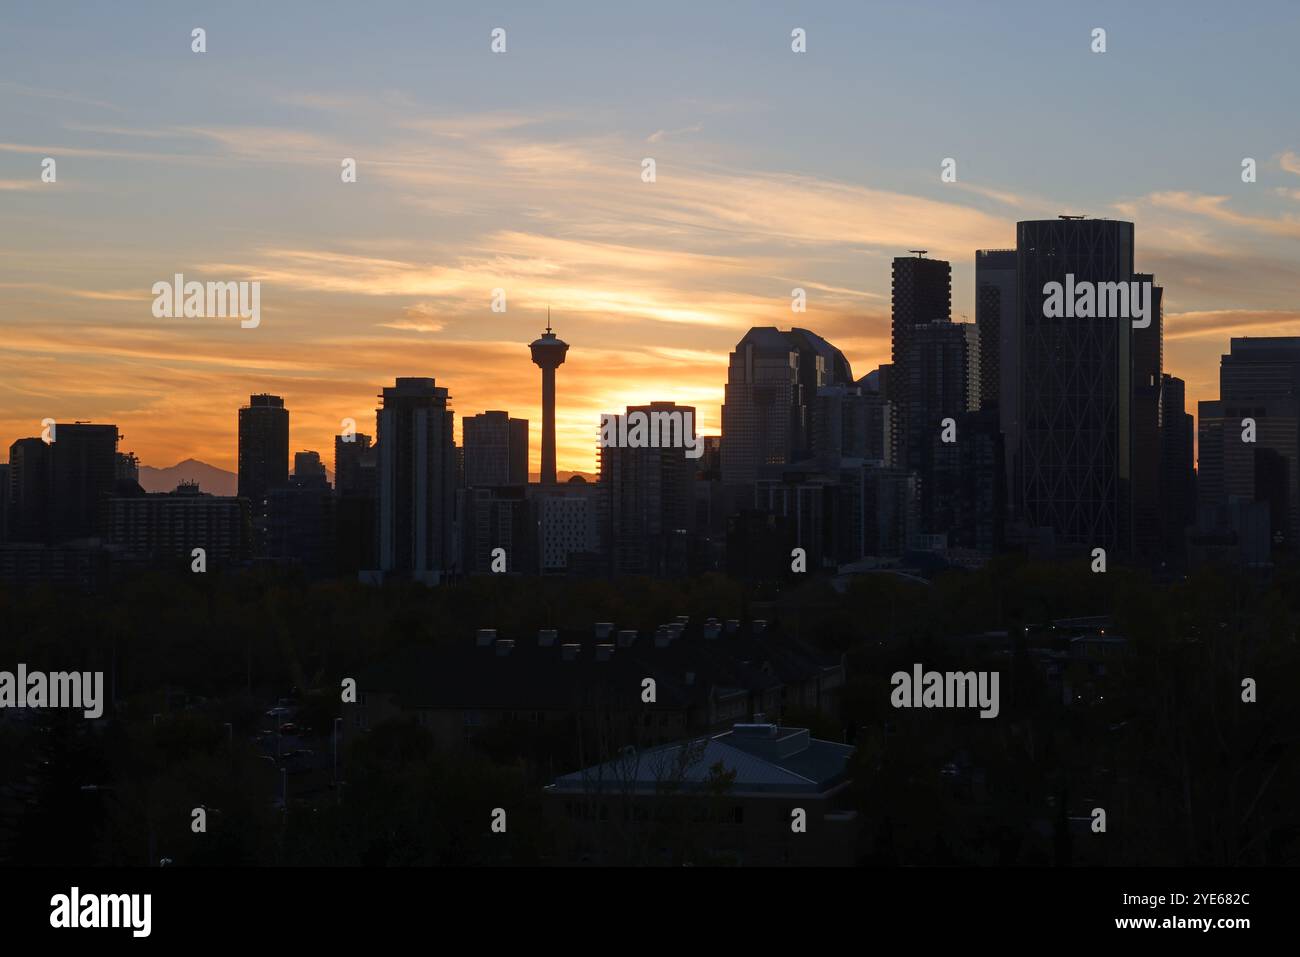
548	354
308	469
648	516
83	471
415	535
567	520
355	471
496	450
4	502
941	372
349	451
29	491
301	517
168	526
263	449
1076	447
995	309
920	294
497	517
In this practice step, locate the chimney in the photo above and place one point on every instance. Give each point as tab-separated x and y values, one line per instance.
504	647
485	637
627	637
603	628
604	652
546	637
569	651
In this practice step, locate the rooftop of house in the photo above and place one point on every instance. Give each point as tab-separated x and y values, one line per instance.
766	759
556	669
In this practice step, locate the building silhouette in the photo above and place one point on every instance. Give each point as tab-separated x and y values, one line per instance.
1255	461
29	491
767	412
940	369
83	471
166	527
349	452
648	507
1177	467
263	449
548	353
1076	448
301	518
415	534
496	449
920	294
999	326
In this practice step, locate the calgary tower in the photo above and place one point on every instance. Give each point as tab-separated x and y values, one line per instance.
548	352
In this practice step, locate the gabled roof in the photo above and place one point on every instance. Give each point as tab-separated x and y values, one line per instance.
767	760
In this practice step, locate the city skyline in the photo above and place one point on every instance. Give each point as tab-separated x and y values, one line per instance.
532	184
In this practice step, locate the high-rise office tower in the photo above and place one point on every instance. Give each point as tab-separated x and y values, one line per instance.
496	450
548	354
999	328
1177	466
1076	444
415	534
772	383
648	511
263	449
1259	381
1148	372
851	421
920	294
83	471
349	451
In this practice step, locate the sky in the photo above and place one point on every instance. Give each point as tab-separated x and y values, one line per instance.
522	171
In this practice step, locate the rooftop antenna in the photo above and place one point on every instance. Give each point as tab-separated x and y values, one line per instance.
919	252
548	318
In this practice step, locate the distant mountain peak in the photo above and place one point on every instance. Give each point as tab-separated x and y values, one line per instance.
210	478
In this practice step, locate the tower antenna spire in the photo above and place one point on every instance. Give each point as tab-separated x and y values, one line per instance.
548	318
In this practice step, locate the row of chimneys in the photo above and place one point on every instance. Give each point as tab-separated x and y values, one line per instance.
626	637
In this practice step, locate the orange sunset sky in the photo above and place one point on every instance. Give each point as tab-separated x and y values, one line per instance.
523	172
